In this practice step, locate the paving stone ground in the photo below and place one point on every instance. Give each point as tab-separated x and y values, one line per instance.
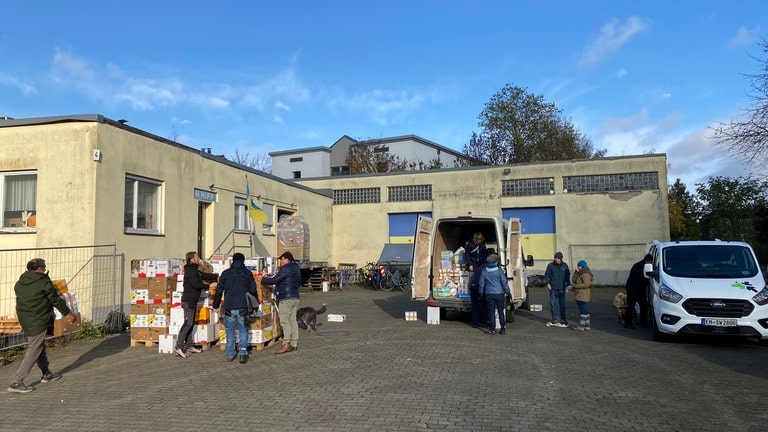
378	372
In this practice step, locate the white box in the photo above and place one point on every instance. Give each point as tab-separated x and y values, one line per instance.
534	308
411	316
205	333
325	286
433	315
177	315
336	318
167	343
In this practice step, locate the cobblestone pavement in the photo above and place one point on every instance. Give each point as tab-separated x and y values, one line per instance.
378	372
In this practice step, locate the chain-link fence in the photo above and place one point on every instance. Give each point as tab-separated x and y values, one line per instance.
609	263
94	274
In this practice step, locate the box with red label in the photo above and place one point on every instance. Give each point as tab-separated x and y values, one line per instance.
160	287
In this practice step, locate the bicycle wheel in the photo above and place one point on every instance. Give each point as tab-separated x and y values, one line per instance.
404	283
386	283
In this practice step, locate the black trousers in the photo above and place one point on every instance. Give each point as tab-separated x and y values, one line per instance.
637	296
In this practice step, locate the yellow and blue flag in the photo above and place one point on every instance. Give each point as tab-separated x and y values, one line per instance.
254	211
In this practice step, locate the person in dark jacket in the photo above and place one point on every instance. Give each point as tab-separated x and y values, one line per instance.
475	254
494	288
287	282
35	299
193	286
637	292
558	277
234	283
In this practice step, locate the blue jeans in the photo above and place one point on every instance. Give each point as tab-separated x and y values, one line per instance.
236	320
495	302
583	307
557	298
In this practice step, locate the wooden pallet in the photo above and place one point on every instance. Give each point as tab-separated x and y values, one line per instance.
147	343
206	346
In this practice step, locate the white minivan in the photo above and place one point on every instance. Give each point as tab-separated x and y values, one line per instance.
706	287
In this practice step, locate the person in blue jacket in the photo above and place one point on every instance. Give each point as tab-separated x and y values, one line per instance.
558	277
494	288
234	284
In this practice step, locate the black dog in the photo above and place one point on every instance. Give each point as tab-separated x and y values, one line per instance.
308	317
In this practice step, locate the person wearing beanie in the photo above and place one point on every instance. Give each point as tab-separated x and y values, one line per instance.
637	293
557	276
494	288
582	279
235	283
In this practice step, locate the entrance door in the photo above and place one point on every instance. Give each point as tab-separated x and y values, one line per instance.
201	206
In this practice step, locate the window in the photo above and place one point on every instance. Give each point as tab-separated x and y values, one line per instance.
297	174
18	191
297	159
357	196
527	187
142	205
241	215
409	193
611	182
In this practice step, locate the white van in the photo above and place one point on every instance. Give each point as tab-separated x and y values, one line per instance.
706	287
436	274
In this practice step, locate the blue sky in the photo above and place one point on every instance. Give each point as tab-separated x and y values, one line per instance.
634	76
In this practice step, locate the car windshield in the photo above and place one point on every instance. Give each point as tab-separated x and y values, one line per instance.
710	261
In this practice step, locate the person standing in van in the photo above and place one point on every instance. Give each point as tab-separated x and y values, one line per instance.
582	279
558	277
637	292
475	255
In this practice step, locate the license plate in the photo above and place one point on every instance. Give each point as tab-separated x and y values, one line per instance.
719	322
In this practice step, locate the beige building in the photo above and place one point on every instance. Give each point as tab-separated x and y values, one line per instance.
89	180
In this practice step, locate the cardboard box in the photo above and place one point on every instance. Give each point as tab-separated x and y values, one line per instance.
139	296
154	320
139	309
160	288
260	335
202	315
260	322
139	283
62	326
138	321
336	318
154	333
205	333
167	344
139	333
433	315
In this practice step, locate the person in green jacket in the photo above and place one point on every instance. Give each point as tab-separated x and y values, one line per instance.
35	299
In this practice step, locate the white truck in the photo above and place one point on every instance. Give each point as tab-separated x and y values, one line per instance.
706	287
444	285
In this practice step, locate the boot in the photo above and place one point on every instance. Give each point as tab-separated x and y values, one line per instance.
583	321
285	348
587	322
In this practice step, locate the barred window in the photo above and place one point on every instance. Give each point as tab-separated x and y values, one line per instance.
611	182
527	187
409	193
357	196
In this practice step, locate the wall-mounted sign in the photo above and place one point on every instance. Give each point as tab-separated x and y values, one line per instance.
204	195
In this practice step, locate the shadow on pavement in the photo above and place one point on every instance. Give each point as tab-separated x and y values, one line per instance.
110	346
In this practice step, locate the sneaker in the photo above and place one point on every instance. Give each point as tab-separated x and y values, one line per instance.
194	350
503	332
561	324
19	388
492	332
49	376
180	352
552	324
243	358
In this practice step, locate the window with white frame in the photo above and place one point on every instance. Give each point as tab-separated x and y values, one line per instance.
143	200
241	215
18	197
268	228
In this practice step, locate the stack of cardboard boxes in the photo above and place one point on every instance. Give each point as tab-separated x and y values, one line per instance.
153	283
293	236
453	279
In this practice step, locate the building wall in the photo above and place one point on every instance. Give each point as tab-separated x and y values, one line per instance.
315	163
600	218
81	201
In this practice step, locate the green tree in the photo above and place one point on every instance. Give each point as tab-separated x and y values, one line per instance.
730	207
517	126
683	213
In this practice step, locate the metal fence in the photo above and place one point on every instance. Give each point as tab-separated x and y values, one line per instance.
609	263
94	274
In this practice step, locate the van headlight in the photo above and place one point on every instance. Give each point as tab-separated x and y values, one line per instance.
761	298
668	294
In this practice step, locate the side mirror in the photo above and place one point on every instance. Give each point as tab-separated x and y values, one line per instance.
529	261
648	270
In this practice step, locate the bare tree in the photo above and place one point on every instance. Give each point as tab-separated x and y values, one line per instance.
258	161
747	139
366	158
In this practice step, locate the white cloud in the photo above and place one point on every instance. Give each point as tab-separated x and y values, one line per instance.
285	85
25	88
743	37
621	73
281	106
612	37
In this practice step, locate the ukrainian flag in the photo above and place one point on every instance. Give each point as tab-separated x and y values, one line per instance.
254	211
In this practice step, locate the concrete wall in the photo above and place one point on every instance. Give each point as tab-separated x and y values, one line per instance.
609	218
315	163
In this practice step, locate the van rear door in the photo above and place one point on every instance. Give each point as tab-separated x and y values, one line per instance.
422	259
515	260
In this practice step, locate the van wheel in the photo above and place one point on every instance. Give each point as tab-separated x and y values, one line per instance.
443	314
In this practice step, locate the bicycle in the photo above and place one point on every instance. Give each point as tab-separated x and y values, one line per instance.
394	278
